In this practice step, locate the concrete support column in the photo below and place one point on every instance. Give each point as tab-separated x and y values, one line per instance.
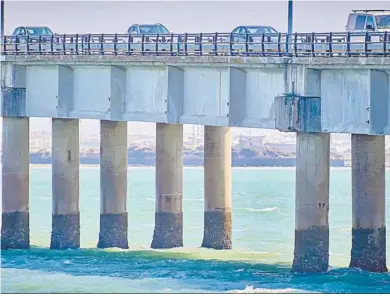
217	188
113	185
65	184
168	230
368	203
311	253
15	230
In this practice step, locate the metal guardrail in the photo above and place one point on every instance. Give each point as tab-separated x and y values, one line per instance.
203	44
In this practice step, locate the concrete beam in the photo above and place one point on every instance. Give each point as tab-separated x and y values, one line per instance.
217	187
368	203
65	184
311	253
113	185
15	232
168	230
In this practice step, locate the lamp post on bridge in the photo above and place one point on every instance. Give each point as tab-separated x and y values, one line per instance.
290	16
2	19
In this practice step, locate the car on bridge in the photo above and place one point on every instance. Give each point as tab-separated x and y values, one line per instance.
368	20
254	33
32	34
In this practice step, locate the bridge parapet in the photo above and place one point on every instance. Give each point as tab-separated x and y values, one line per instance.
331	44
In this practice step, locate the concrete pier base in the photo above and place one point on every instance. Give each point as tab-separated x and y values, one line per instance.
15	231
168	230
368	203
113	185
217	230
65	232
217	188
311	252
113	231
65	184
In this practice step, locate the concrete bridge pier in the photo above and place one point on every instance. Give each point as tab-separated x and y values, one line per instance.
113	185
311	253
217	188
15	229
65	184
168	230
368	203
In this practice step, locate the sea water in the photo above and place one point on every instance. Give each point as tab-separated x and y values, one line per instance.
260	261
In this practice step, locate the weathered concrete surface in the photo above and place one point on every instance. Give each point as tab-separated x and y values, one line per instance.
217	230
311	253
113	185
168	230
113	231
368	203
15	183
65	232
65	184
217	188
15	230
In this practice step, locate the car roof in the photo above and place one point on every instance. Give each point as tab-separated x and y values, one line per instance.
372	12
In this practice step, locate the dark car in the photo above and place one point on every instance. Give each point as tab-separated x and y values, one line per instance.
32	33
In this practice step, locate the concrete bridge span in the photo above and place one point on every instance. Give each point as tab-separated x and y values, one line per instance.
311	96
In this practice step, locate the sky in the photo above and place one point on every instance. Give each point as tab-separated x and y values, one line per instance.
177	16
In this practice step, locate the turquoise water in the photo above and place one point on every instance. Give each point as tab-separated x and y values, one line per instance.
263	241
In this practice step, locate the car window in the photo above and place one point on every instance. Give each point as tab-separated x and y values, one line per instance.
242	30
39	31
153	29
132	30
261	30
370	22
22	31
360	22
383	21
236	30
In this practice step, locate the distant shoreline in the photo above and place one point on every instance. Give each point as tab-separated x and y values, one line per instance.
48	165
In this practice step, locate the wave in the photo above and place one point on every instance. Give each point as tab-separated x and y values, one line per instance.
251	289
270	209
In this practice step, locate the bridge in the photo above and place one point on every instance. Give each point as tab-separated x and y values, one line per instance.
312	84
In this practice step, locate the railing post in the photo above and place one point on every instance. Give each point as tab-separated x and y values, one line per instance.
262	45
63	44
51	44
215	43
115	44
101	44
157	44
77	44
313	36
295	44
40	44
246	44
200	44
89	44
384	44
366	44
185	43
142	44
349	43
171	45
279	48
5	47
231	44
28	44
330	44
129	45
178	44
16	44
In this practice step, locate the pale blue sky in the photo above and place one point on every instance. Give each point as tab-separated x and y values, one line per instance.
178	16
